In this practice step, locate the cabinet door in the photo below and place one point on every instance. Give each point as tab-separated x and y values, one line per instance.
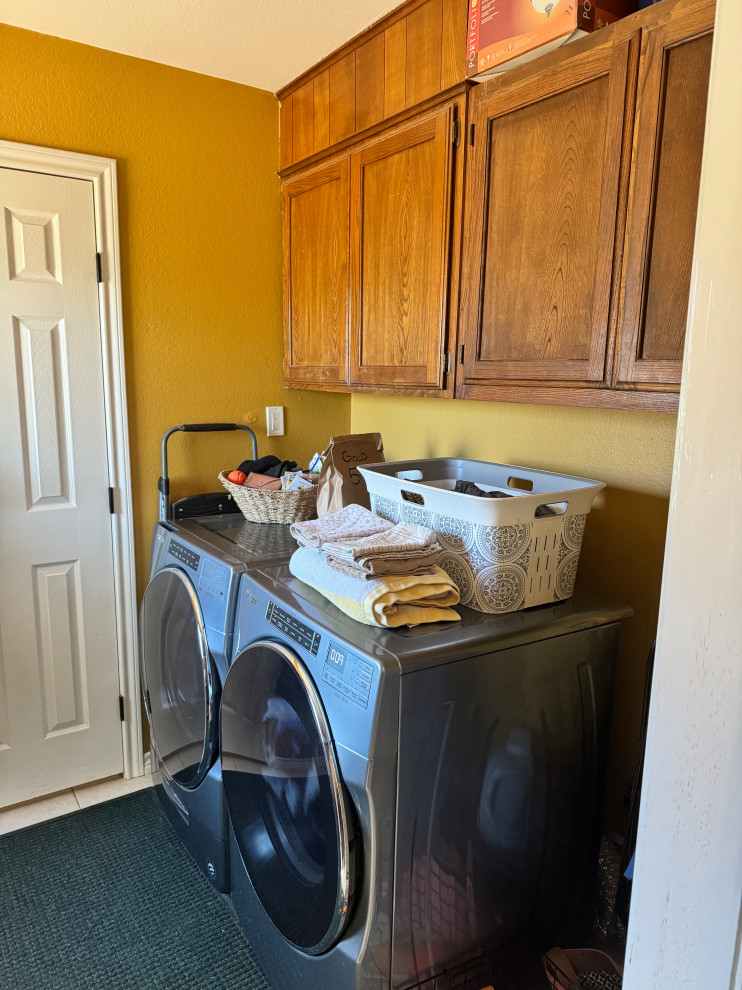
315	275
542	193
661	222
401	188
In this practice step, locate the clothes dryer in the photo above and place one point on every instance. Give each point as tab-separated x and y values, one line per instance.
400	800
186	624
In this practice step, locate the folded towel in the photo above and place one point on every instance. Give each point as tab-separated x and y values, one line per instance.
404	541
392	601
376	567
262	481
348	523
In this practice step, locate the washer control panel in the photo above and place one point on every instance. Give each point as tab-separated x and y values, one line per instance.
348	674
293	628
184	555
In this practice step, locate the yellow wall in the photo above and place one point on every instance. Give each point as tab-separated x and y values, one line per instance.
624	539
200	243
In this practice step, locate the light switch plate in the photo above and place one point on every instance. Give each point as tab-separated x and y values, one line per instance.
274	421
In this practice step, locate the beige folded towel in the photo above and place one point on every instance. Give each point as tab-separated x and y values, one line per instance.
398	600
377	567
405	541
349	523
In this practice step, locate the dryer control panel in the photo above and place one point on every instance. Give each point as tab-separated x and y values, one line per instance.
348	674
293	628
184	555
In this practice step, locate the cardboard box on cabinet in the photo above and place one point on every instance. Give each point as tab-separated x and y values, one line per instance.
504	33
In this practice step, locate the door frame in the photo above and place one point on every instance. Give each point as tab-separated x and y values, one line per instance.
101	172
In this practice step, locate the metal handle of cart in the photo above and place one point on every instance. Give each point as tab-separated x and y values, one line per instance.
163	485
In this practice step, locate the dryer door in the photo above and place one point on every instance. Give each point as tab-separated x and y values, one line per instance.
289	810
181	686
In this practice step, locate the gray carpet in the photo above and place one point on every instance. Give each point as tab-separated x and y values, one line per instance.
108	899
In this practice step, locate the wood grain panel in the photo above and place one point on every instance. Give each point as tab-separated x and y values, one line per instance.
543	227
322	110
303	121
395	56
343	98
543	186
286	131
676	201
453	46
401	200
423	68
370	82
315	246
661	221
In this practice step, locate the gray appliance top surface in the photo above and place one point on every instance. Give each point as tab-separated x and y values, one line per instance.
441	642
232	535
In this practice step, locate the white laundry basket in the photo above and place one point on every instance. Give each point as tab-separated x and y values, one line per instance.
504	554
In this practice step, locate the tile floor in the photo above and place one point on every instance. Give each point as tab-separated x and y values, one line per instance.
66	801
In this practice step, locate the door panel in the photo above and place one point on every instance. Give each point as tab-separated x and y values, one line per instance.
59	715
543	189
181	688
315	256
401	188
287	806
661	222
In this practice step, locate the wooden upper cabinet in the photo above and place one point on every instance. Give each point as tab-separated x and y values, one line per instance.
401	189
661	221
404	61
542	189
315	274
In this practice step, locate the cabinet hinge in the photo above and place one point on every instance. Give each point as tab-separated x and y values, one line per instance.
456	133
461	354
98	267
111	508
471	135
121	708
447	363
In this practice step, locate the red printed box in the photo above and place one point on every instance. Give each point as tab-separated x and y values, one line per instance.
504	33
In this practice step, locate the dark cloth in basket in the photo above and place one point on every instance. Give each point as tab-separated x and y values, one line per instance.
469	488
269	465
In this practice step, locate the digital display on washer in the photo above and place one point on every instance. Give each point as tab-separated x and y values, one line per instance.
293	628
188	557
348	674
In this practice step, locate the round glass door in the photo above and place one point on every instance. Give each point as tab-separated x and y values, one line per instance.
181	689
291	816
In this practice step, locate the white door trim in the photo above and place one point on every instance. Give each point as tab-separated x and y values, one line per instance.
685	930
102	173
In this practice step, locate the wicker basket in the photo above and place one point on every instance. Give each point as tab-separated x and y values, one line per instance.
259	505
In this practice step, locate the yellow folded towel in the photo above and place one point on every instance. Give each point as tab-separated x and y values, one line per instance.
391	601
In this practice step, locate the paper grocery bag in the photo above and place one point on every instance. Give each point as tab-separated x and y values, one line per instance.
340	482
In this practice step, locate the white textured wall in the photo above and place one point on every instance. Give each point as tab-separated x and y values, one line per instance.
685	924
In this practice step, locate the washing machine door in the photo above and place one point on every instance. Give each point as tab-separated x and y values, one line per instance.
181	686
292	818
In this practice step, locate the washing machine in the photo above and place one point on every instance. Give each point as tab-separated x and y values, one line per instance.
186	624
400	800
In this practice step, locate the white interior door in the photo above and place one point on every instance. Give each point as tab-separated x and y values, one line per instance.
59	682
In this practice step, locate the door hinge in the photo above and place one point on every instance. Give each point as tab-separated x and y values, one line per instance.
111	508
121	708
471	135
447	363
456	133
461	354
98	267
